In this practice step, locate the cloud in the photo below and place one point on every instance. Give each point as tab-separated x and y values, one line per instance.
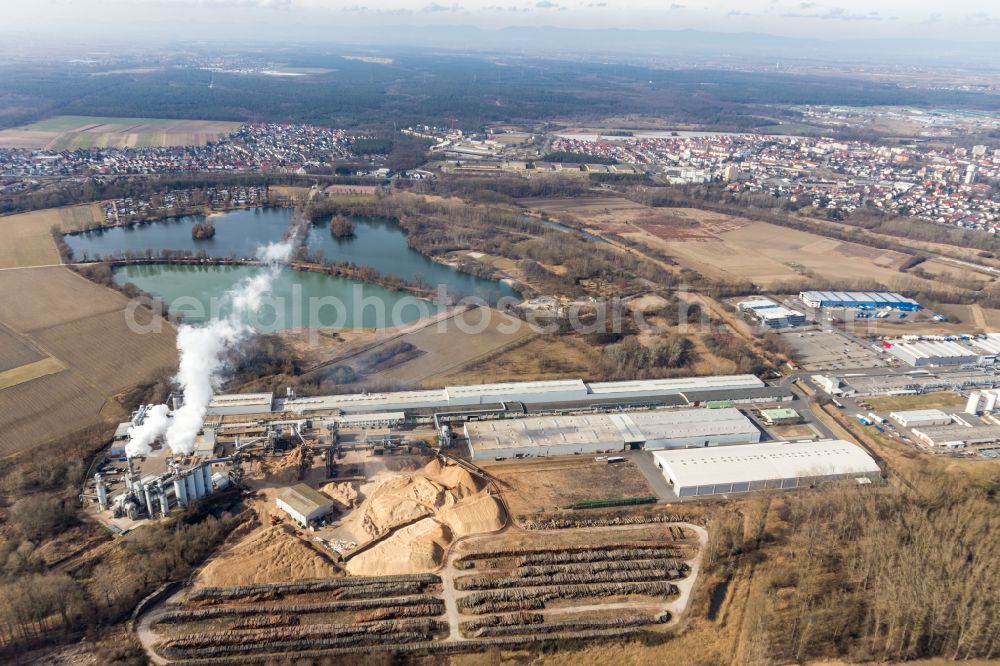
547	4
737	12
839	14
435	8
980	19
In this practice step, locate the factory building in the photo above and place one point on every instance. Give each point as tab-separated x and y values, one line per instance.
368	420
601	433
920	418
240	403
532	394
920	353
303	504
777	465
858	299
156	494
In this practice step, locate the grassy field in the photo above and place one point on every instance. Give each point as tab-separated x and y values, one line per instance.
943	400
75	132
28	236
73	352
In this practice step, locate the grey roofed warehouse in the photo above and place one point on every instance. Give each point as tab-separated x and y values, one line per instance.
736	469
595	433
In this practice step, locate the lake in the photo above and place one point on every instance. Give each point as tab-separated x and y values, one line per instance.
378	243
381	244
298	299
237	233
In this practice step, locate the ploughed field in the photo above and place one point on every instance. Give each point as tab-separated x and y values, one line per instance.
75	132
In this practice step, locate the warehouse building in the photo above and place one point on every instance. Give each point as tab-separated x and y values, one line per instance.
920	353
858	299
748	396
303	504
756	304
780	317
920	418
959	436
778	465
771	314
601	433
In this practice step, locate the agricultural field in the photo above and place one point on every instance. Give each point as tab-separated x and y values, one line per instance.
46	408
74	352
533	486
30	371
78	132
15	351
28	236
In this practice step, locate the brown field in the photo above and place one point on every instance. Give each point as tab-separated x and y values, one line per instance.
725	247
529	487
542	357
82	328
443	352
75	132
952	274
14	351
38	298
28	237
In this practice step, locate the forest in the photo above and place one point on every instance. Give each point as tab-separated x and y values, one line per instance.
437	89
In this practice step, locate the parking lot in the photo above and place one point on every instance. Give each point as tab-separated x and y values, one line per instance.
832	350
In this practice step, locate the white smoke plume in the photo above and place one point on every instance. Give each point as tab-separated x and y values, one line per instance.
202	351
141	437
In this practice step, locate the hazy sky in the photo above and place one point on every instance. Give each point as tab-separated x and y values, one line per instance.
833	19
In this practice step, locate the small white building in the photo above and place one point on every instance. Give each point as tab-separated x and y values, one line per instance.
303	504
772	465
919	418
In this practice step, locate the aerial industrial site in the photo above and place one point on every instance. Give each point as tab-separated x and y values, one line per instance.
451	335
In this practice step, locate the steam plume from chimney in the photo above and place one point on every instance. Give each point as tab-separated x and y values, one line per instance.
202	351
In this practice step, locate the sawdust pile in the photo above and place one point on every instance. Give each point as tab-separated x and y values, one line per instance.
416	547
285	469
428	509
344	494
272	554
